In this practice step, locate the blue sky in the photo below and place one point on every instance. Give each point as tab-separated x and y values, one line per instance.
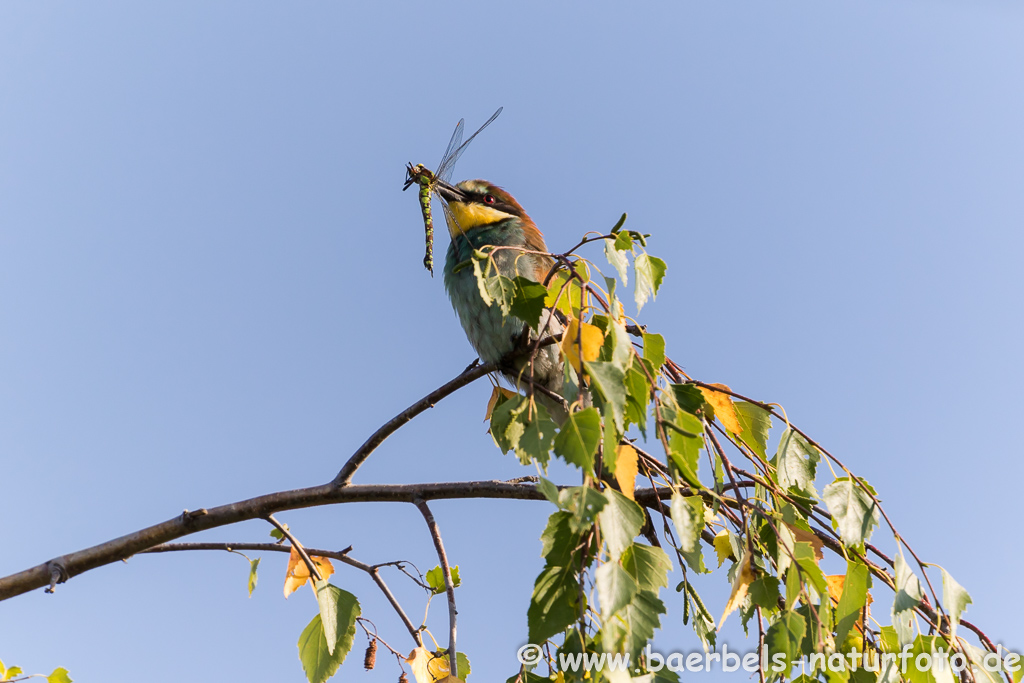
210	282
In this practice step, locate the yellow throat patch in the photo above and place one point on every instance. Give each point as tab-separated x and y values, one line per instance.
469	216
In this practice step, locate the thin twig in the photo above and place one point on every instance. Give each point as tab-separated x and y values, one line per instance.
313	570
340	555
442	556
467	376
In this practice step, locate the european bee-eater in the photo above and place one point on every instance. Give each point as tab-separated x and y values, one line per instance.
481	214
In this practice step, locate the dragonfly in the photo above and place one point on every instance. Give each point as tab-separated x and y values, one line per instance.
429	181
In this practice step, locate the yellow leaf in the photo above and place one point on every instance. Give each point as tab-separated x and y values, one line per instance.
493	401
590	339
724	410
428	667
744	577
723	548
808	537
626	469
298	572
835	586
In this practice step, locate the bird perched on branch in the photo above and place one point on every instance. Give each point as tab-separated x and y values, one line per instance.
481	214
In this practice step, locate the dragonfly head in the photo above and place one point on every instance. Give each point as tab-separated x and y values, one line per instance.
417	174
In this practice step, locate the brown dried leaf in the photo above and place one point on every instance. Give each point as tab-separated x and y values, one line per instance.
497	393
298	572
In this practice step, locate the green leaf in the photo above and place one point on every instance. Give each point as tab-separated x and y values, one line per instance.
650	271
689	398
620	521
793	586
559	540
624	241
908	588
765	592
853	511
654	349
903	625
703	622
569	301
275	533
648	565
796	462
338	612
756	421
617	259
317	661
553	604
481	277
619	344
808	561
584	504
684	451
528	302
59	675
609	379
435	579
634	625
955	599
1016	663
855	595
664	675
504	429
908	595
784	547
526	677
502	291
638	396
549	490
578	439
983	673
688	517
253	564
464	668
537	437
615	588
696	561
784	637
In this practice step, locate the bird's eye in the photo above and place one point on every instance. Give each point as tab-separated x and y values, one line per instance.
489	199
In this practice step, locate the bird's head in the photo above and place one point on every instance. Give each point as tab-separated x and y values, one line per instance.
482	214
477	204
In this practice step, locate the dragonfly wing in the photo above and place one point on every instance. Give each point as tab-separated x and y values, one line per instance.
447	165
449	216
454	143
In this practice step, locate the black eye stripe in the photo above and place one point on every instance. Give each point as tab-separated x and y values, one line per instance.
481	198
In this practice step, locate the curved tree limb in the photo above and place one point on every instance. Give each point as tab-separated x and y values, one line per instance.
259	507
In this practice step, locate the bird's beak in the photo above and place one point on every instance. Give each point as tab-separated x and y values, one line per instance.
450	193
